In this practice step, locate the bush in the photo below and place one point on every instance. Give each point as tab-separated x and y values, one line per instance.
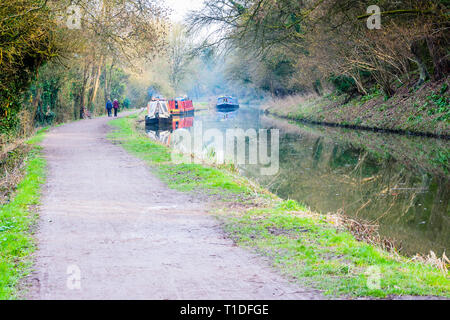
344	84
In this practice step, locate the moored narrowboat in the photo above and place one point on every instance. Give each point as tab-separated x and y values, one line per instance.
158	113
163	133
180	106
227	103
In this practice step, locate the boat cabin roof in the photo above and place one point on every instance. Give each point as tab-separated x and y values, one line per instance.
159	107
226	97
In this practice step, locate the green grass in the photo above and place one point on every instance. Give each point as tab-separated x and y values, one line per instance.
201	105
303	245
317	253
16	219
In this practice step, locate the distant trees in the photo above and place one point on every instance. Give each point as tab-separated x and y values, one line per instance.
179	54
273	73
50	71
115	34
323	42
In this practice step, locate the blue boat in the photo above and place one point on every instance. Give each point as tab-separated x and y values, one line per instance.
227	103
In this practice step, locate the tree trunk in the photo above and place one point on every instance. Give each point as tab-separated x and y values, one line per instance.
387	89
424	75
440	61
359	85
97	81
108	82
36	102
105	87
86	77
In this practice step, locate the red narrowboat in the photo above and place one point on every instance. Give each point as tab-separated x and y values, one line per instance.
180	106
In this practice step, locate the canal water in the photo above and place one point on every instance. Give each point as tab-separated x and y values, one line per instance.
399	182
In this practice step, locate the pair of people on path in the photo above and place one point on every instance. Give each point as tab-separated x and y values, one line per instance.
112	105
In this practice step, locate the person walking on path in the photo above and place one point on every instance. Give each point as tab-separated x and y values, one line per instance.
109	107
116	107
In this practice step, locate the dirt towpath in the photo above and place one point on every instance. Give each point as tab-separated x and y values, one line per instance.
109	229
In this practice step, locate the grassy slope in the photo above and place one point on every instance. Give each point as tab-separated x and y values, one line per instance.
422	110
16	219
302	244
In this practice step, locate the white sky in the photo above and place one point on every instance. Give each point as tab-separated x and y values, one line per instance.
181	7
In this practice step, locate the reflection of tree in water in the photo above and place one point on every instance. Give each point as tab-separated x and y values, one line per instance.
317	151
406	195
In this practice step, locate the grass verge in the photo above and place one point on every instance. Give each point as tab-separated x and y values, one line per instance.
304	245
311	249
16	219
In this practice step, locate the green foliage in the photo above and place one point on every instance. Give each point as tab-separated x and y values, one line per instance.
343	84
384	107
126	103
437	104
34	33
440	101
118	84
374	93
441	158
415	119
291	205
27	41
444	88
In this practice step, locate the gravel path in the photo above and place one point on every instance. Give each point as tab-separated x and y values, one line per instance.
109	229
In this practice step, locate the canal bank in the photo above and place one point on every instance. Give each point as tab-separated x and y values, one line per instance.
316	249
413	110
399	183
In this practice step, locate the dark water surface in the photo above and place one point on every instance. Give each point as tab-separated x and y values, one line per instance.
400	182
